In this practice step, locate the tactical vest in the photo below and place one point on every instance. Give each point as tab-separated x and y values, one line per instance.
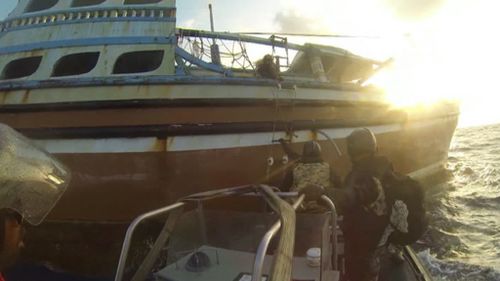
311	173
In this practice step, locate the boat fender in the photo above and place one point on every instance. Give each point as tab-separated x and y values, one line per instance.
284	159
270	161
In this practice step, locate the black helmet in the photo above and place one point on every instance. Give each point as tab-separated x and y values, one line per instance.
311	152
361	142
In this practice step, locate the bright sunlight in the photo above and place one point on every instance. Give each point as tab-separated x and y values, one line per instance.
450	55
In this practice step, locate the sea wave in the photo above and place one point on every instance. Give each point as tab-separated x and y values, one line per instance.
463	241
447	270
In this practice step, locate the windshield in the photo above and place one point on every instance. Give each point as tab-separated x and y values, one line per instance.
221	245
31	181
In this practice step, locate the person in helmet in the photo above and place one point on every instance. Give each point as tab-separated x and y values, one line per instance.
310	169
375	209
363	152
362	149
31	182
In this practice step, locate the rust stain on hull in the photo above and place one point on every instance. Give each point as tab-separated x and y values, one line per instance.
137	182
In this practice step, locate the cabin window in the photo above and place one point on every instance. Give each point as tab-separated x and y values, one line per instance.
140	2
40	5
75	64
83	3
137	62
21	67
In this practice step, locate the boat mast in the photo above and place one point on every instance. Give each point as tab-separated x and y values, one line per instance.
214	49
211	19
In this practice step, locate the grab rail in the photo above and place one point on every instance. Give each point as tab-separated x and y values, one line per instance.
273	199
264	244
130	231
334	216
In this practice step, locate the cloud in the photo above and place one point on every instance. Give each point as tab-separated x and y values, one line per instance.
290	21
414	9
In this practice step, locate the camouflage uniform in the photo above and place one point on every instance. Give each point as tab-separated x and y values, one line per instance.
305	174
364	227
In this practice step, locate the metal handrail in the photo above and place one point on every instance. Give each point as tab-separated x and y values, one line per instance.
130	232
264	244
208	196
53	12
334	216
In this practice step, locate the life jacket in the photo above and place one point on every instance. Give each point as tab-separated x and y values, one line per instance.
402	188
305	174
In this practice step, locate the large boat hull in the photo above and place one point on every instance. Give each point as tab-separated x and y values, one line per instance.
135	154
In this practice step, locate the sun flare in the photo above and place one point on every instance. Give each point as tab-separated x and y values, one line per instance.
453	56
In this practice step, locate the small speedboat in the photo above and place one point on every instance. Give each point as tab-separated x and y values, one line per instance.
264	238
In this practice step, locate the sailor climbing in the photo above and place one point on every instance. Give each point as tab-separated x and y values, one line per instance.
31	182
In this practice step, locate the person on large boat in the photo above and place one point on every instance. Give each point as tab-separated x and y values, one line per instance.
267	68
31	182
382	208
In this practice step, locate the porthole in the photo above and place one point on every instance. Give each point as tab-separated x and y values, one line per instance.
140	2
76	64
22	67
83	3
40	5
138	62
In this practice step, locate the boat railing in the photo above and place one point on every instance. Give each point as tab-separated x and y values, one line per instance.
130	232
287	239
286	212
94	14
264	243
241	53
334	232
233	50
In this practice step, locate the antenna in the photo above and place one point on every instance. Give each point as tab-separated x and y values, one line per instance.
214	49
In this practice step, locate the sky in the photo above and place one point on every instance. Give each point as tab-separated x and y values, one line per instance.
442	48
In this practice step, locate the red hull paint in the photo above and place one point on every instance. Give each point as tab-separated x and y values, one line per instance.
138	182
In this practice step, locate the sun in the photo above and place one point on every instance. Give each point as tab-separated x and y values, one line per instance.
451	56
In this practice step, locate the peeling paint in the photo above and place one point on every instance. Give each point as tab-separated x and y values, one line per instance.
26	96
160	145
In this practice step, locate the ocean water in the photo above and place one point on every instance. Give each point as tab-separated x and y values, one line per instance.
463	242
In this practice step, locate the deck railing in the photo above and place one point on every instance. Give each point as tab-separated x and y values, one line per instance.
95	14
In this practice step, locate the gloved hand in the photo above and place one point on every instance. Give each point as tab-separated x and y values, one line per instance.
313	192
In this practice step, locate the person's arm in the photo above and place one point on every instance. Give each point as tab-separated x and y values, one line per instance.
287	181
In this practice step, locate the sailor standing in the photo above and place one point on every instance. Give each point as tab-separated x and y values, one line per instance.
381	208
